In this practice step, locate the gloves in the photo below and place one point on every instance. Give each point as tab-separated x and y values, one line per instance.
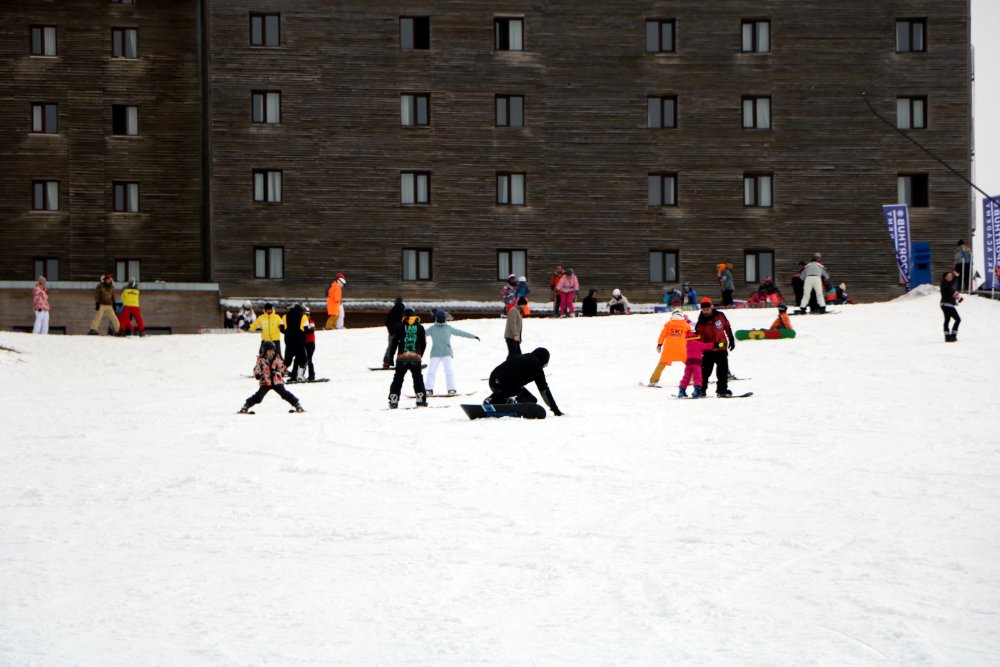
256	376
281	328
732	344
557	413
659	348
477	337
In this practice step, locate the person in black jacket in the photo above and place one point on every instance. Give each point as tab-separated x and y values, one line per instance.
949	305
295	340
391	322
590	304
408	343
508	380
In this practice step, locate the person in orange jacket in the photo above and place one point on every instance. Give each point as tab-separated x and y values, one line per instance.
782	322
334	308
672	344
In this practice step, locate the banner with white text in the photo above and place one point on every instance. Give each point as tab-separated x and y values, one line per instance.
897	217
991	239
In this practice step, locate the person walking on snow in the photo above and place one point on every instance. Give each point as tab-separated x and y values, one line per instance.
671	343
949	305
104	304
695	351
569	285
130	310
40	302
270	328
310	329
334	306
713	328
813	274
441	353
408	344
270	370
508	380
512	330
294	327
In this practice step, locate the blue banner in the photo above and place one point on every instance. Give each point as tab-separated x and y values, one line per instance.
991	239
897	217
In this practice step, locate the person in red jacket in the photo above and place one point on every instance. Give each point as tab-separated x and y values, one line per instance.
713	328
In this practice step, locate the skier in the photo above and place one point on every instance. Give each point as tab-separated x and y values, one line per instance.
713	328
130	309
695	350
40	299
441	352
294	326
508	380
949	305
269	371
618	304
270	328
334	306
104	304
782	322
310	329
512	331
671	343
391	322
409	343
568	286
813	275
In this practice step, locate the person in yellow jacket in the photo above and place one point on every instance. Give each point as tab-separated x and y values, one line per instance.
130	309
672	344
334	308
270	327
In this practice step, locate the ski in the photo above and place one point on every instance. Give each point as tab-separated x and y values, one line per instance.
650	386
456	395
416	407
746	395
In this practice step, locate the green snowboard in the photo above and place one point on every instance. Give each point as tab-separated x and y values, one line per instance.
764	334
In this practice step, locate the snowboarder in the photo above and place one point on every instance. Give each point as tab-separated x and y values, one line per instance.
783	321
391	322
813	275
408	343
618	304
512	331
713	328
104	304
334	306
441	353
671	343
270	328
294	326
949	305
568	286
40	300
130	310
269	370
695	350
508	380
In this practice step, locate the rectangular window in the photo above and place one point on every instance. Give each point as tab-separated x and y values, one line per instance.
415	188
414	33
511	189
509	34
267	186
510	111
759	265
48	267
913	190
416	263
265	30
266	106
756	36
269	262
757	190
414	109
511	261
124	120
660	35
126	197
45	118
45	195
662	189
911	113
911	35
661	112
124	43
126	269
756	113
43	40
664	266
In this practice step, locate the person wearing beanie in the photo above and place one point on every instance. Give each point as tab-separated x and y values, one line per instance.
713	328
408	344
508	380
725	274
310	331
334	304
104	304
695	349
509	293
783	322
270	327
130	310
441	353
269	371
670	344
813	274
521	292
590	304
245	317
689	297
618	304
512	331
40	301
294	324
391	322
950	299
568	286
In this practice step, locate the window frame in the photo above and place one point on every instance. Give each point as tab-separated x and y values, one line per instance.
660	23
505	101
130	198
755	101
911	23
45	204
269	267
911	102
266	186
423	261
43	41
120	43
263	18
509	189
414	109
754	35
124	269
416	175
925	189
660	102
415	33
42	267
756	253
42	127
264	107
509	255
130	114
661	179
757	178
662	254
502	33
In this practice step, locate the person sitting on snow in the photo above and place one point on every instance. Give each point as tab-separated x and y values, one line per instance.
618	304
783	322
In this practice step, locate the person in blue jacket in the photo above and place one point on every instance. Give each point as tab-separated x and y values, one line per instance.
441	353
689	295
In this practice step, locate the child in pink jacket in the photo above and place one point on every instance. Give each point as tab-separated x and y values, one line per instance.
692	367
567	288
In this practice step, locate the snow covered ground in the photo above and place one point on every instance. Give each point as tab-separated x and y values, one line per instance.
848	513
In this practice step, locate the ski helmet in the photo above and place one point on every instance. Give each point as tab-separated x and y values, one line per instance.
267	346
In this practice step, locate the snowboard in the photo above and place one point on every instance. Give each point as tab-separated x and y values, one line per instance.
764	334
746	395
523	410
828	312
390	368
415	407
468	393
650	386
307	381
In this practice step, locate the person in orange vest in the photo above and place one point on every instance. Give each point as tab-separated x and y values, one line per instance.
782	322
334	308
672	344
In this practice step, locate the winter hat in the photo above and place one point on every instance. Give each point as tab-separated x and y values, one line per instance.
677	314
616	292
706	300
305	309
440	316
132	283
522	279
511	276
267	345
782	307
268	306
541	354
720	266
569	272
246	304
407	311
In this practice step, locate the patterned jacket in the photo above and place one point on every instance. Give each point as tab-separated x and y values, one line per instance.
40	297
269	374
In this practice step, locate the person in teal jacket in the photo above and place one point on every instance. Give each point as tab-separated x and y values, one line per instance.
441	353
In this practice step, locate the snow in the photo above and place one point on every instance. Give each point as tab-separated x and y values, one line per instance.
846	514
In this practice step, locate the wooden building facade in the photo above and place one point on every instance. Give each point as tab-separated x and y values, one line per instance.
427	149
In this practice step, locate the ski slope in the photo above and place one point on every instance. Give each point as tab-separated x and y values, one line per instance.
848	513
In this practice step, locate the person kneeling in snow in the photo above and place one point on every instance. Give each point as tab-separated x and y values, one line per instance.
508	380
269	370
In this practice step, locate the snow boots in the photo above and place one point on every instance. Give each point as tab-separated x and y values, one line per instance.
244	410
683	393
421	400
951	337
393	401
697	393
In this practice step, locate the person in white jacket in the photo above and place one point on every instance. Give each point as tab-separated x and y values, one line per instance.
618	304
813	276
